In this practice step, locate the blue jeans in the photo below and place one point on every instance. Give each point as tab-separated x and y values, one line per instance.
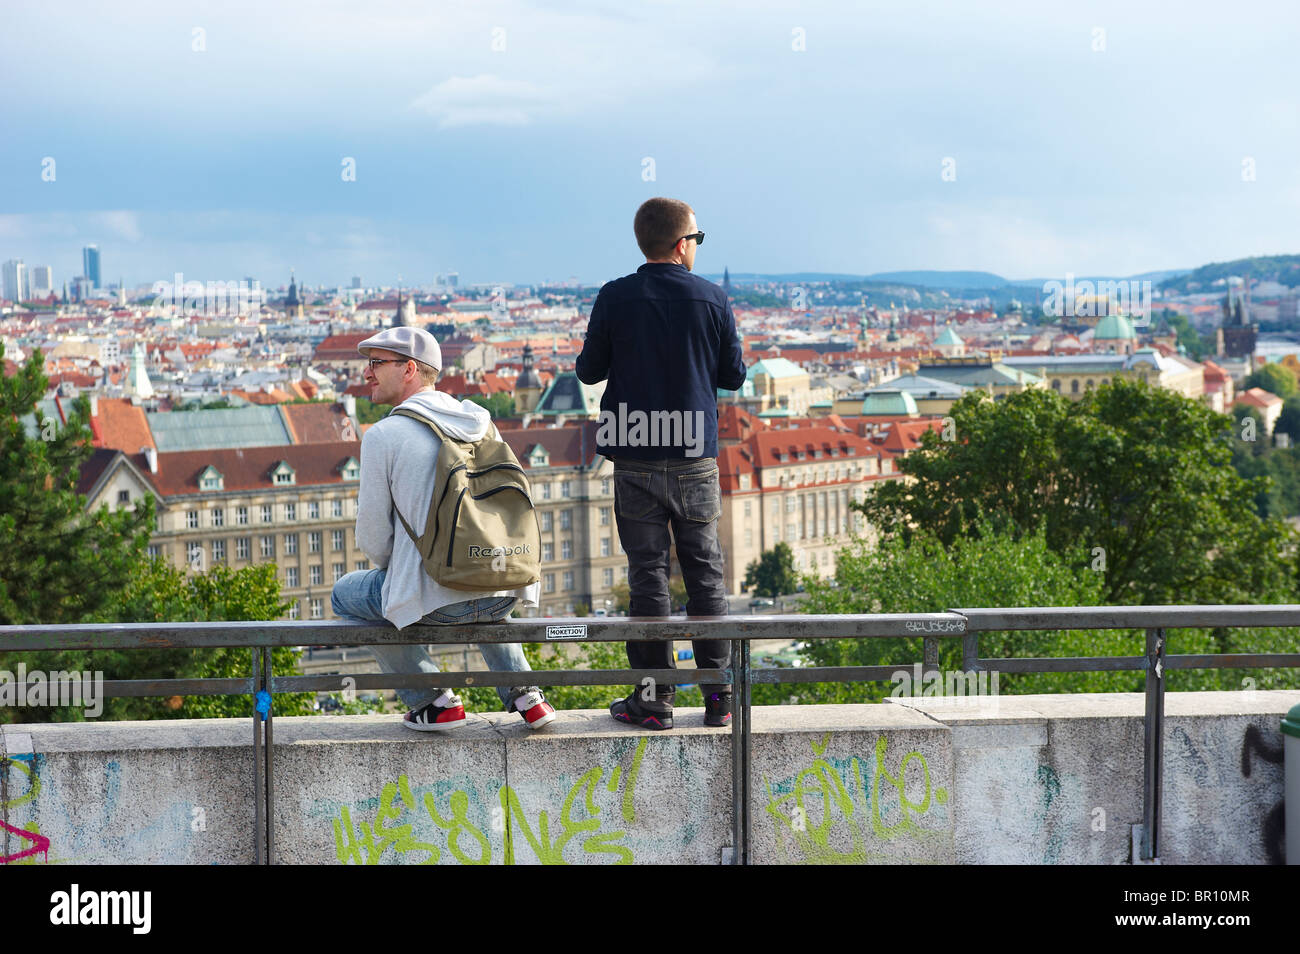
650	497
358	596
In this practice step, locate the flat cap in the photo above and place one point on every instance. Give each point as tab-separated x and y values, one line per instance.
410	342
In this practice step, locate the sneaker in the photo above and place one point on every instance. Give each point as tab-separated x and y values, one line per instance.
627	710
431	717
717	709
536	711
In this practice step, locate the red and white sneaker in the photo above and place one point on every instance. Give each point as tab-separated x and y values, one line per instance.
432	717
536	711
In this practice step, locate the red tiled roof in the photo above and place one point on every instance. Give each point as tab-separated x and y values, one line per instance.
1258	397
318	423
341	347
122	425
249	468
567	446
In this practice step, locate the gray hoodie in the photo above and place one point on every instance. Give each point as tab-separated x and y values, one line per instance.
399	459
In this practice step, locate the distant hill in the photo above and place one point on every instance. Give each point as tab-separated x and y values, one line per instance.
939	279
1279	268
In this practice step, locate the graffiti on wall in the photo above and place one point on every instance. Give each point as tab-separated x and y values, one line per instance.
841	811
442	822
18	844
1254	746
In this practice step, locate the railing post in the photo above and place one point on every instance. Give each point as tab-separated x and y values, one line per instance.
931	654
267	677
970	651
259	829
739	793
1153	749
747	776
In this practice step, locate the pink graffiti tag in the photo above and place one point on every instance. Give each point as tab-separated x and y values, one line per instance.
40	845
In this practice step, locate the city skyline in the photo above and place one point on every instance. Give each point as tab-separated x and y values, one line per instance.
512	142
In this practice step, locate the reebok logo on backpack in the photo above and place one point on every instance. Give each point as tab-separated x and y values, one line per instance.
481	533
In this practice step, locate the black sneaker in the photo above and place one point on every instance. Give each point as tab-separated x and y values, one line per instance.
717	709
627	710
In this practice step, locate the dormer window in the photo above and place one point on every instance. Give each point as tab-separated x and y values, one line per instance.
211	479
351	469
538	457
283	475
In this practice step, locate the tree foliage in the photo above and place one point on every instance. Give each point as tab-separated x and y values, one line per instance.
1274	378
1140	476
773	573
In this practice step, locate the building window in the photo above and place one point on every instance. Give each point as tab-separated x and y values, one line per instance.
747	508
1056	385
266	513
608	576
604	485
218	551
604	516
291	511
749	537
546	521
290	544
1074	386
314	574
268	547
624	574
606	547
546	491
313	542
566	519
361	565
191	520
744	481
313	510
241	516
291	576
565	488
1087	385
242	548
123	496
339	570
316	609
153	551
336	506
548	582
568	580
566	549
293	610
790	503
548	552
218	516
336	540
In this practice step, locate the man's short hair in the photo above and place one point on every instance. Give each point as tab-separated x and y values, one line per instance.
428	373
658	225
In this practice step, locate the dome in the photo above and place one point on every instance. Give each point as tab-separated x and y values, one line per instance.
1114	328
889	401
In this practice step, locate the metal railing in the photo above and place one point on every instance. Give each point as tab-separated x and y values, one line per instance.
966	624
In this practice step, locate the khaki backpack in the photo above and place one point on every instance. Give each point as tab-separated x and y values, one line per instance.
481	532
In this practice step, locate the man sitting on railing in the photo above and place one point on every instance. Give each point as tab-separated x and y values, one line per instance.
666	339
399	459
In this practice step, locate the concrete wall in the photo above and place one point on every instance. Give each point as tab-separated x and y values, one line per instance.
1017	779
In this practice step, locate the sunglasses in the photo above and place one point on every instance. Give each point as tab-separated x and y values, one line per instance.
374	362
698	236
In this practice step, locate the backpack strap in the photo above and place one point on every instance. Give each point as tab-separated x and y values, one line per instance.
437	430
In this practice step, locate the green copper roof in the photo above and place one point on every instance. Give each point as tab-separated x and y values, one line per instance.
776	368
1114	328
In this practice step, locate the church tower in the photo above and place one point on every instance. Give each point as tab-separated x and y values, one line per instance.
293	304
528	386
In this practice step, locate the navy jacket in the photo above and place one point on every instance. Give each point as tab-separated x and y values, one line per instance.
666	339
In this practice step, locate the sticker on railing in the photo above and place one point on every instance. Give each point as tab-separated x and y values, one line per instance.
936	626
567	632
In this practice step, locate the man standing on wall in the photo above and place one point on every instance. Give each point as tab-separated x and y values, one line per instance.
667	340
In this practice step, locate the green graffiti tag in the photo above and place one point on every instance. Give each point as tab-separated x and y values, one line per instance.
837	792
579	821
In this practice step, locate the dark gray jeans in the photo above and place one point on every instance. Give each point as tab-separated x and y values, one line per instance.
649	498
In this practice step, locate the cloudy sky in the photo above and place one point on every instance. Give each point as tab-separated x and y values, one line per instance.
512	141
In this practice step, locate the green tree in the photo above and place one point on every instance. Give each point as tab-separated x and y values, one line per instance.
1273	378
773	573
368	413
1136	474
499	405
58	562
994	568
158	592
1288	422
